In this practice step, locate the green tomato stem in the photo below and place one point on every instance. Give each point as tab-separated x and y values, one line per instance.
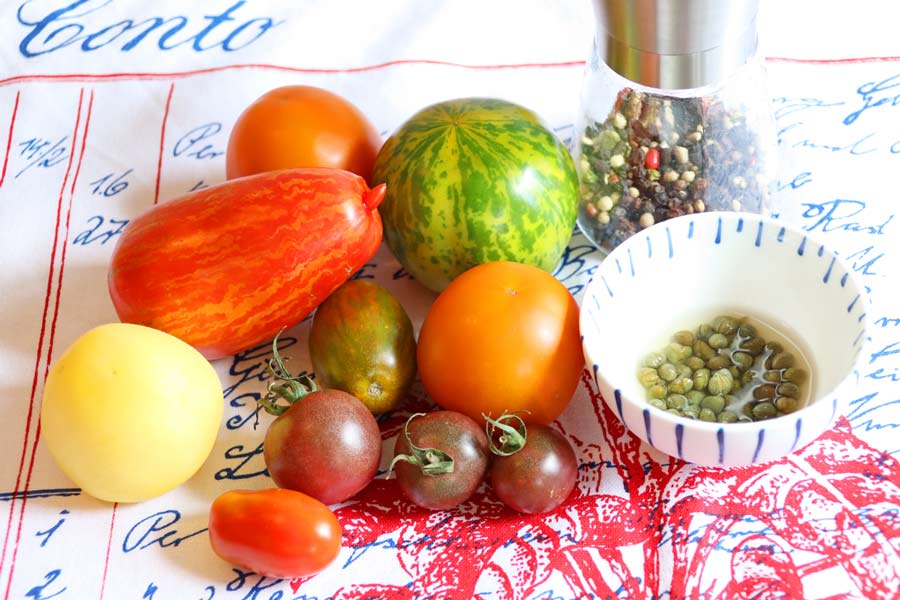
431	461
511	440
286	387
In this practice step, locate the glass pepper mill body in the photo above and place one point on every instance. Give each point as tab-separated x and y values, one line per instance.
675	116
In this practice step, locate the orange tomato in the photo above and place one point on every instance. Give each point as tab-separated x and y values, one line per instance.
301	126
502	336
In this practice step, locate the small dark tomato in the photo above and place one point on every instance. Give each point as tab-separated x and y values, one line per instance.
537	477
440	459
325	444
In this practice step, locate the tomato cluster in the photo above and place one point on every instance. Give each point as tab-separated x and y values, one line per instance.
502	339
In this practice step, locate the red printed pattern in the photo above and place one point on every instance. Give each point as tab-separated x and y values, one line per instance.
823	519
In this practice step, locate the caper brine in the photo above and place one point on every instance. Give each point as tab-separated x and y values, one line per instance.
725	371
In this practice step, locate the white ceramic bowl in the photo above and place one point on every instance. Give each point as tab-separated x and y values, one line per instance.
678	272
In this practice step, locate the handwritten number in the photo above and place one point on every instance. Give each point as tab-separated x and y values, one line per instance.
38	592
108	185
41	153
151	589
93	233
52	530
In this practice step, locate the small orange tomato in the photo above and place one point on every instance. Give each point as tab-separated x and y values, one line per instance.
301	126
274	532
503	336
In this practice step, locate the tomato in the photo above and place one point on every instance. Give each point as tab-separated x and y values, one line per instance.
301	126
129	412
325	444
363	342
274	532
501	337
534	471
440	459
226	267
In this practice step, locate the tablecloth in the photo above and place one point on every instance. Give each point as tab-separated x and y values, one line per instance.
108	107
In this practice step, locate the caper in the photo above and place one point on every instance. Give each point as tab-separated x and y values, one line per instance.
746	330
657	391
674	411
794	375
762	392
717	341
754	345
720	382
786	404
748	377
730	400
718	362
713	403
675	352
764	410
685	371
742	360
747	410
690	411
684	337
726	416
701	378
676	401
695	397
705	330
682	385
782	360
725	325
788	389
668	372
735	374
703	350
707	415
648	377
694	363
658	403
774	347
654	360
772	376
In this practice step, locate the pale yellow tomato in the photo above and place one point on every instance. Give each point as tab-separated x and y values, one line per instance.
130	412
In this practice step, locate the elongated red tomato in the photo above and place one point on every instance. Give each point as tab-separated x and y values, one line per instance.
274	532
225	268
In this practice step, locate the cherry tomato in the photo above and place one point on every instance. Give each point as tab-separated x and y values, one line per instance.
448	455
325	444
502	337
537	472
274	532
301	126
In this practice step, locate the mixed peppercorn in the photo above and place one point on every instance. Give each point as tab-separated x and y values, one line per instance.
658	157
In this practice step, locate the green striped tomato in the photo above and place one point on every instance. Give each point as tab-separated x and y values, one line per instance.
471	181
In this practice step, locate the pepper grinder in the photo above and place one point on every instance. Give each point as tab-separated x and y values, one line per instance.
675	117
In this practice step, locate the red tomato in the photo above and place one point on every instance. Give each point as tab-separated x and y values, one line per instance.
227	267
502	336
326	445
539	476
301	126
429	480
274	532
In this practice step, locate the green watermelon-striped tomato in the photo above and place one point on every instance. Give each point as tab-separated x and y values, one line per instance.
227	267
471	181
362	342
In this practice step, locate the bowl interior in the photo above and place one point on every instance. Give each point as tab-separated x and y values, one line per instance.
687	270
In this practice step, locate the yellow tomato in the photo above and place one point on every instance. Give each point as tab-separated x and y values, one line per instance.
130	412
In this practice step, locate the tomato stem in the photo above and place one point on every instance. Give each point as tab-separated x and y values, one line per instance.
511	440
287	387
431	461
